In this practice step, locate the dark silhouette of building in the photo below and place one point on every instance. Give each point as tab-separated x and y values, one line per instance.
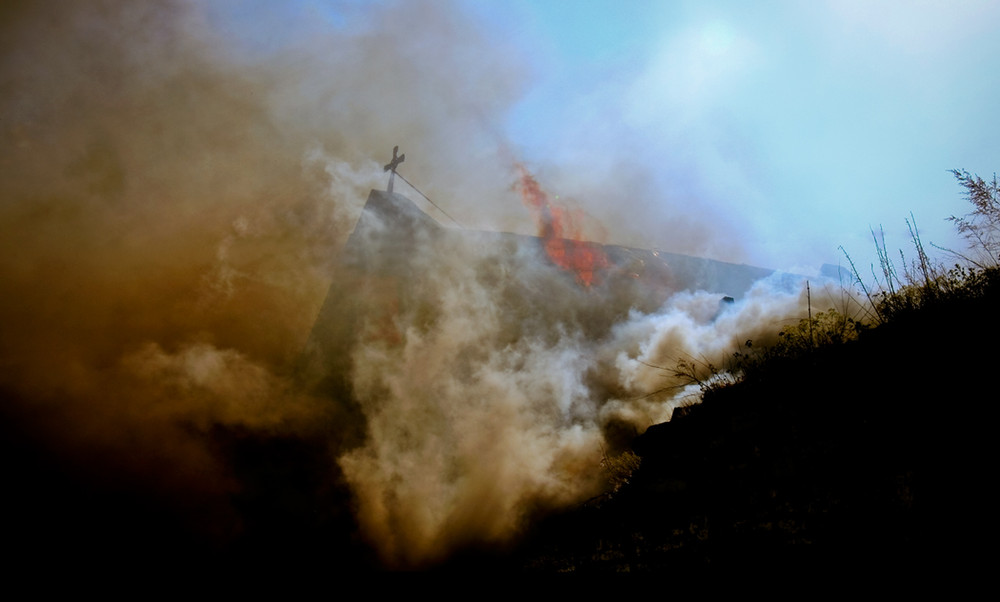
398	258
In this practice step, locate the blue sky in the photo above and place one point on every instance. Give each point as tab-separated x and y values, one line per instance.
804	124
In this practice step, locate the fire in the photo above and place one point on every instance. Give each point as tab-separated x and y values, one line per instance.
561	232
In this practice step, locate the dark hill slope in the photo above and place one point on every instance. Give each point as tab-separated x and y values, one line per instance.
873	456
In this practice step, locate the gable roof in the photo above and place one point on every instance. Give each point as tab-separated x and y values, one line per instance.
391	226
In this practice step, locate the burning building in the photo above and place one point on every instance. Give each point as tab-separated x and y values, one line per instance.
480	374
537	281
478	377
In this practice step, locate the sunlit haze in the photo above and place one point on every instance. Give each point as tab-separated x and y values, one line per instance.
794	127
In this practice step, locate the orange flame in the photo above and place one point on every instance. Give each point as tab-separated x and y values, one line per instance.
560	231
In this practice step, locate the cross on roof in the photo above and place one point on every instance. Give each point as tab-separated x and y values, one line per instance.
392	165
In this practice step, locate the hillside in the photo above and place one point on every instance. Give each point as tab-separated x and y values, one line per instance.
868	456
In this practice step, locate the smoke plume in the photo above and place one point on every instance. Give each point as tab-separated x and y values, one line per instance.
178	181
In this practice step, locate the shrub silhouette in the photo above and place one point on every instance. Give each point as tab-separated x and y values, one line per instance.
980	227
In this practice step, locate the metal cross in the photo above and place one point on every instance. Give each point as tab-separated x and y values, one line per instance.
392	165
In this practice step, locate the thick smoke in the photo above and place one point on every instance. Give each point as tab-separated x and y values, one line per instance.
175	194
491	388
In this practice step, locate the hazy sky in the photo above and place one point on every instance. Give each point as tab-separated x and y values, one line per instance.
786	128
806	122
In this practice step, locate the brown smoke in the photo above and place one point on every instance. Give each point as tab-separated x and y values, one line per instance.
175	191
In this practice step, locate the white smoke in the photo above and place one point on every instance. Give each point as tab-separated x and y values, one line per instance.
482	406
